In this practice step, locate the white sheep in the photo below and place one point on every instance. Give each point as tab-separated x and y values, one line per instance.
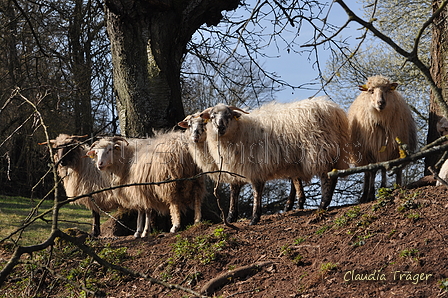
196	137
377	117
80	176
164	157
295	140
442	129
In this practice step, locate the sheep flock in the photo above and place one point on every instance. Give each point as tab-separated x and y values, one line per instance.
295	141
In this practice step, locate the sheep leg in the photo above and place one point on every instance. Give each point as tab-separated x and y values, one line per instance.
197	209
296	190
291	198
175	218
368	193
147	229
383	178
96	230
327	188
140	219
258	192
235	189
398	178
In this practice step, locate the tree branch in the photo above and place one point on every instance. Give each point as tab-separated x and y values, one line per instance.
395	163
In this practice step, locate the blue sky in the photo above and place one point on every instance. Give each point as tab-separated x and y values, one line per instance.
298	69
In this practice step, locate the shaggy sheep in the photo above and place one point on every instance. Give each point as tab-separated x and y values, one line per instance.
442	129
80	176
196	136
377	117
157	159
294	140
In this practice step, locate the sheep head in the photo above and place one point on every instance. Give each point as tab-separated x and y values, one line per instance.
67	149
103	151
221	116
378	88
196	127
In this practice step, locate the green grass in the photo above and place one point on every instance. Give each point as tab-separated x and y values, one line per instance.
14	210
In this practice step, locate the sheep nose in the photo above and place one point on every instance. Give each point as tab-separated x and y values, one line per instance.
221	130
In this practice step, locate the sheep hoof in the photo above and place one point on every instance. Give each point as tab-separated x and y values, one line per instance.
174	229
137	234
231	217
254	221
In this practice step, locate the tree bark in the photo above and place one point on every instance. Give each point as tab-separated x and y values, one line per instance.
439	72
148	42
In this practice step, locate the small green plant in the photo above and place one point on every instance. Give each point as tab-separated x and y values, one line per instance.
345	218
361	240
443	284
391	233
299	240
409	253
414	216
113	255
323	229
409	203
325	267
384	197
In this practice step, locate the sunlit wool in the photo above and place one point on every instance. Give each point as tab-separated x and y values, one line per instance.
195	135
293	140
164	157
376	118
80	176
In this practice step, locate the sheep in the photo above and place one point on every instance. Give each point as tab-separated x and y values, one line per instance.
196	136
152	160
80	176
442	129
378	117
296	140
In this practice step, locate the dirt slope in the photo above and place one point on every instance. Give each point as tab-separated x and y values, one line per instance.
393	247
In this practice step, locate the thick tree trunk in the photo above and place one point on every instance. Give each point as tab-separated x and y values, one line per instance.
148	41
82	72
439	72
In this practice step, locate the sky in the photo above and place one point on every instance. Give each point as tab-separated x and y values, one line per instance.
298	69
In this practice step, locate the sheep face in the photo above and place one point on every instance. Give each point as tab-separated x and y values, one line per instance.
378	89
221	117
103	151
67	150
196	127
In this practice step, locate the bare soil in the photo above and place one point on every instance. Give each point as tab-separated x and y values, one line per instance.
393	247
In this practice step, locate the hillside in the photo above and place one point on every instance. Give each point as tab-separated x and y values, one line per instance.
393	247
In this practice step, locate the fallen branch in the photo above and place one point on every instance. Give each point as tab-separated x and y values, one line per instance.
216	283
394	163
87	250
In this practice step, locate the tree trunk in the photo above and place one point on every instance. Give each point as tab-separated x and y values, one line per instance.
82	71
439	72
148	41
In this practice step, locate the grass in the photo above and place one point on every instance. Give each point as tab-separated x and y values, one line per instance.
14	210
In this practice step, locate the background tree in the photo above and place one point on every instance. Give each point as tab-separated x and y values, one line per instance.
439	71
148	42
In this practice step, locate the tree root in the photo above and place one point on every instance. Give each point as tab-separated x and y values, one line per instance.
216	283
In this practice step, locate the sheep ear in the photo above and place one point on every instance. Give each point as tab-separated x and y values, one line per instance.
206	114
90	154
183	124
236	115
363	87
393	86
